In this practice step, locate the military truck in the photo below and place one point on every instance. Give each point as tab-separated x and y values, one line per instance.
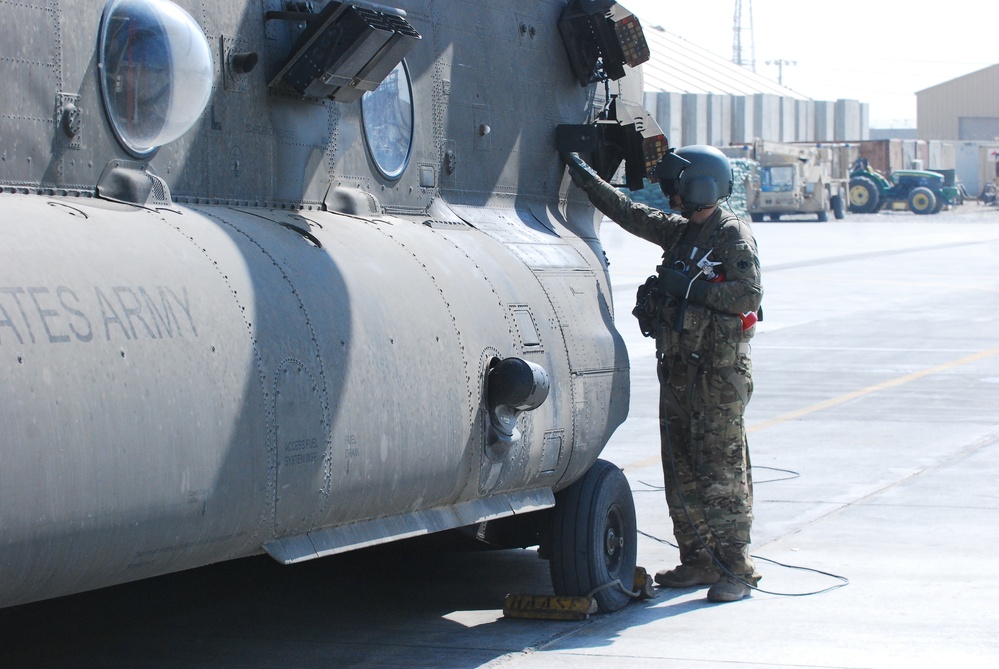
794	179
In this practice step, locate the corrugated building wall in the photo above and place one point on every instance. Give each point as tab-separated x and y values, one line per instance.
966	108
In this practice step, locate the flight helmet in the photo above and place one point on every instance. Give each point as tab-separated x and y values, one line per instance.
701	175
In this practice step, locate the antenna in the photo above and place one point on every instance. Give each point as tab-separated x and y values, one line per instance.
737	31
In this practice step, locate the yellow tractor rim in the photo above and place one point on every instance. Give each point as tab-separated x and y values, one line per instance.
859	196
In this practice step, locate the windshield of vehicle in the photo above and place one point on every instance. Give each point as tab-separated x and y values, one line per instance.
777	179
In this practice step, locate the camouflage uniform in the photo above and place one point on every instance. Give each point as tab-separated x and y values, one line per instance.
705	375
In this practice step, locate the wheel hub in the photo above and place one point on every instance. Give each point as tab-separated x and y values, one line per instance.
613	542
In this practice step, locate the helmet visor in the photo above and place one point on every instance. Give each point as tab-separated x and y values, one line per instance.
670	166
668	171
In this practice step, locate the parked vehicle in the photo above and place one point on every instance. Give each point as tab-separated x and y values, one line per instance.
920	191
793	179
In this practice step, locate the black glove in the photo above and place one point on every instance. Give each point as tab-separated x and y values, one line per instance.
580	172
677	284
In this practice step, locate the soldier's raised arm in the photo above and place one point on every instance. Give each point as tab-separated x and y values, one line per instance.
641	220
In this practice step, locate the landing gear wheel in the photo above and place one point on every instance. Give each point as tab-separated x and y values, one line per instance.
594	538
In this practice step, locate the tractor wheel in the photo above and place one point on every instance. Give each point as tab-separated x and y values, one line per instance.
922	200
864	195
940	203
836	201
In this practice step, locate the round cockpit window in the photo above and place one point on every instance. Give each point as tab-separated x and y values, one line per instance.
387	116
156	72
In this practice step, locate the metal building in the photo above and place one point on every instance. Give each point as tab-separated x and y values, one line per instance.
966	108
965	112
698	97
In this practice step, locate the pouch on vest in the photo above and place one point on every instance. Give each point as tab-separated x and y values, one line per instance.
694	338
648	302
727	335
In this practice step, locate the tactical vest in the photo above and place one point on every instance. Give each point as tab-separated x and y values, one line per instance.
697	334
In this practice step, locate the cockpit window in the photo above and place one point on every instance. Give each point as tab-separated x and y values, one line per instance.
387	116
156	72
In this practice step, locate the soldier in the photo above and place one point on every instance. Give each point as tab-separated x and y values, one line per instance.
701	308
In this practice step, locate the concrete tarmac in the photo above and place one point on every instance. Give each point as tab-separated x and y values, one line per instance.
874	433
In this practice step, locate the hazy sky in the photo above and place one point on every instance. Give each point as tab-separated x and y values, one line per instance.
875	51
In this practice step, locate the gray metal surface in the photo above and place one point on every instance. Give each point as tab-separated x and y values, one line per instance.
253	340
877	381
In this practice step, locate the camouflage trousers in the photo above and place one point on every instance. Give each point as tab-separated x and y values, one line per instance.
709	486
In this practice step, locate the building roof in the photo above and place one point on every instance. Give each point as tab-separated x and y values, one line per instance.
986	73
678	66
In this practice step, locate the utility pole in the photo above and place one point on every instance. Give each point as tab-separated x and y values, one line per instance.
737	31
780	63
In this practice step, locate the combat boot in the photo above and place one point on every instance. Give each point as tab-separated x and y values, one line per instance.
686	576
729	589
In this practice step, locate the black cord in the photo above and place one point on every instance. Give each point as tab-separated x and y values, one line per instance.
844	580
793	475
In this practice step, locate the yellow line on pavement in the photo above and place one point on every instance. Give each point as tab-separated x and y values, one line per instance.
842	399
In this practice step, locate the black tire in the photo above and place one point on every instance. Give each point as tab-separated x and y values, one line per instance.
922	200
756	218
823	216
595	537
864	195
836	203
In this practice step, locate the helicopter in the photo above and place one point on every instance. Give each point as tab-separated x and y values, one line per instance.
301	278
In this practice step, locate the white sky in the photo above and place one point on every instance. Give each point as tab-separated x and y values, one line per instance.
876	51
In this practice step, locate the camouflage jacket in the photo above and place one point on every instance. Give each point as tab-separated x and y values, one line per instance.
711	327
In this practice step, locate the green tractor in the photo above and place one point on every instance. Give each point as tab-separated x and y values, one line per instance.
920	191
